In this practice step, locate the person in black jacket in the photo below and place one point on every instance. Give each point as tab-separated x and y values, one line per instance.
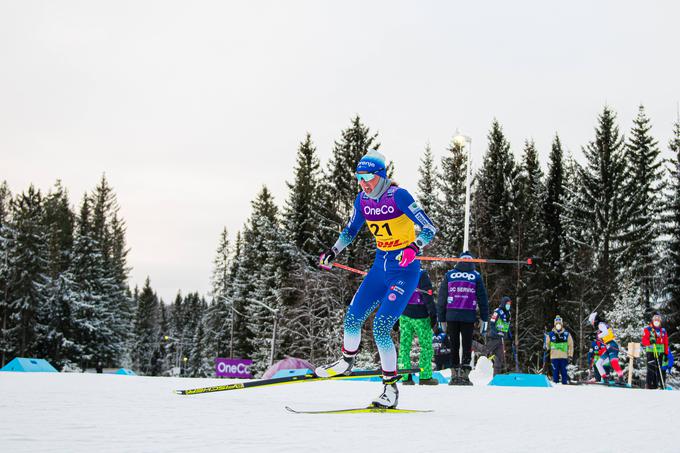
419	317
462	290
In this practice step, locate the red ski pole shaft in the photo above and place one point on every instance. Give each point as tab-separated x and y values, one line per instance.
528	261
351	269
360	272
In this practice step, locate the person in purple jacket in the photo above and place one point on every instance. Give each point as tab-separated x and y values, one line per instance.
461	292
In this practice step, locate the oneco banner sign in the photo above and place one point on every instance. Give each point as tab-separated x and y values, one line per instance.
233	368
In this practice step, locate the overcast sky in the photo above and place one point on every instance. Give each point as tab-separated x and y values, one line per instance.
190	107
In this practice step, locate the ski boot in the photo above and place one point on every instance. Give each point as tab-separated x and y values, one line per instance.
455	376
465	376
431	381
409	380
390	396
342	366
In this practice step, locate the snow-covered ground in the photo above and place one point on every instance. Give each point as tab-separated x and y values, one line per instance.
41	412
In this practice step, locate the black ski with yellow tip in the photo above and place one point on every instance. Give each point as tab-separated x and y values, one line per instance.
310	377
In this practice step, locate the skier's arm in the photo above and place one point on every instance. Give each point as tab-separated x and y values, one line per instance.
356	221
441	299
413	211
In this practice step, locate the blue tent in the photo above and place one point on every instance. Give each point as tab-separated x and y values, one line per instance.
520	380
29	365
126	372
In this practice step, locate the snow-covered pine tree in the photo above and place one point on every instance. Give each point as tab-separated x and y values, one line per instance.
427	193
555	288
578	260
5	241
645	189
449	206
57	340
672	274
90	316
27	259
530	241
167	359
108	231
300	214
263	251
242	285
146	332
493	211
194	308
59	220
172	338
627	316
604	209
218	320
185	314
201	360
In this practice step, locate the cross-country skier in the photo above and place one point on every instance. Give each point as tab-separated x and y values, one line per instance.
655	342
391	214
419	317
460	292
597	348
499	331
561	346
606	335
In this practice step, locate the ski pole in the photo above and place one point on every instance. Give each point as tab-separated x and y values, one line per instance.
351	269
360	272
656	355
528	261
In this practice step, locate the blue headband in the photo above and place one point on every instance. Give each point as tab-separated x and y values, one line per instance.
372	164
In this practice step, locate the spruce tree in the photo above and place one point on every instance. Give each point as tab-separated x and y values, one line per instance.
262	251
92	329
578	259
146	332
27	260
57	340
301	211
108	232
644	188
427	193
449	210
493	210
672	274
556	290
5	244
603	209
219	315
529	241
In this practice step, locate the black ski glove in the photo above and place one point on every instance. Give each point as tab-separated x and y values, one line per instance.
326	259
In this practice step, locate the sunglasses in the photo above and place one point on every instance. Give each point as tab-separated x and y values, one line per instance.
364	176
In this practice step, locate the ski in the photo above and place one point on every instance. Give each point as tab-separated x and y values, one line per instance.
361	410
607	384
286	380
